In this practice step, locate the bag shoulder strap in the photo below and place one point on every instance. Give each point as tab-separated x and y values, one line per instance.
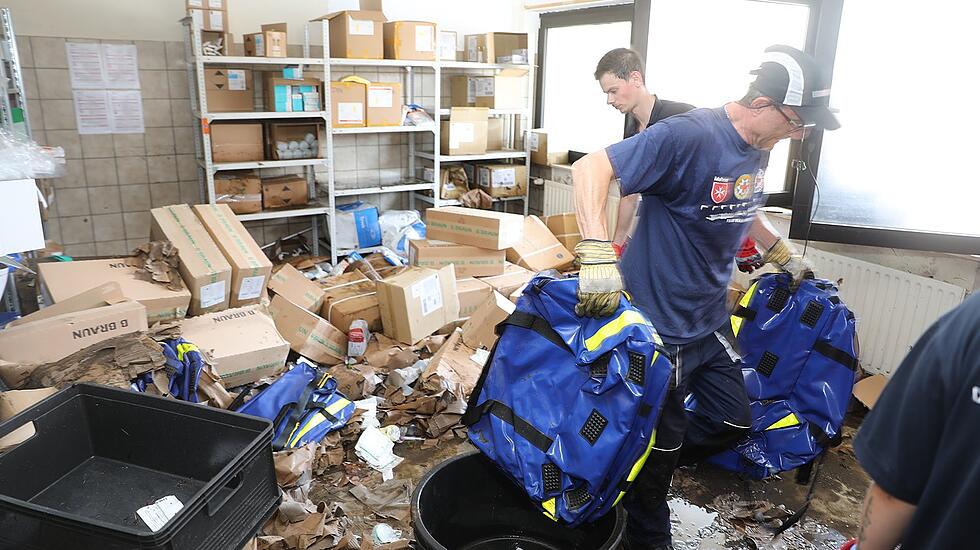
292	413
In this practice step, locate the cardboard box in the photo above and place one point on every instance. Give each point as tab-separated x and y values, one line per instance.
286	132
284	192
462	91
357	225
288	282
243	343
472	293
384	104
417	302
288	95
236	142
265	44
280	27
479	330
229	90
307	333
480	228
250	269
505	90
202	265
537	141
63	281
453	181
502	180
356	34
487	48
103	295
410	40
348	103
539	249
514	277
495	134
349	297
227	41
447	45
869	389
565	228
210	20
241	191
470	261
207	4
465	133
55	338
12	402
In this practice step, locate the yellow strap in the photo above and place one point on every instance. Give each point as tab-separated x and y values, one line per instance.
185	348
549	508
785	422
612	328
316	420
638	465
744	302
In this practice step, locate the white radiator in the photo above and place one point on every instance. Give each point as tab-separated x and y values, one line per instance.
558	199
893	308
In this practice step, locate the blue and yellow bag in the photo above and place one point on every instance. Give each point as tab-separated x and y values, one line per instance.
567	406
800	361
303	405
184	364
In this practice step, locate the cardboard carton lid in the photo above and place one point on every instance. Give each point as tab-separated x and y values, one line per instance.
869	389
372	15
233	331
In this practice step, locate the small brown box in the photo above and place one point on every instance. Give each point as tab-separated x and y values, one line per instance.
348	103
497	47
356	34
462	91
502	180
410	40
284	191
271	93
265	44
235	142
465	133
537	142
210	20
229	90
384	104
292	131
241	191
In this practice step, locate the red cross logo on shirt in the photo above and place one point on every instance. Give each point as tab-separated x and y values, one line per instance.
721	189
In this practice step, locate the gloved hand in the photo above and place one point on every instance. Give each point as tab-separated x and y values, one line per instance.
599	283
748	258
789	261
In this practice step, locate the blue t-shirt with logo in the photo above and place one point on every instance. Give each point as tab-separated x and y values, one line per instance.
701	185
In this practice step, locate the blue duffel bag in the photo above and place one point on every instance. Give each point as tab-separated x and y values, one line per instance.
799	351
303	405
184	364
567	406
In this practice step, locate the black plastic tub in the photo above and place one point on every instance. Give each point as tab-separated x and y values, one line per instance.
99	454
466	503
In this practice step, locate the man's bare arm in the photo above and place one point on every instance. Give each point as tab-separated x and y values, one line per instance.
884	520
625	218
591	177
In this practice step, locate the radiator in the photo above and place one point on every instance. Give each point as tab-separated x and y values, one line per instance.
893	308
558	200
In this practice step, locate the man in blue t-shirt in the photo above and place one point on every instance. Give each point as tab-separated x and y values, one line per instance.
701	177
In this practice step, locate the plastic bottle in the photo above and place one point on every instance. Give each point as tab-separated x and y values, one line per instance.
357	338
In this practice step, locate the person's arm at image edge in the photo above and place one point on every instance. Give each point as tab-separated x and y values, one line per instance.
883	521
592	175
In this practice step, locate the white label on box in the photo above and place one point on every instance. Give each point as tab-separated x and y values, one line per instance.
380	96
311	101
251	287
471	53
259	46
197	16
532	141
350	113
157	515
428	174
195	3
460	132
447	45
425	40
471	90
505	177
483	178
484	86
236	80
359	27
217	20
216	4
212	294
429	294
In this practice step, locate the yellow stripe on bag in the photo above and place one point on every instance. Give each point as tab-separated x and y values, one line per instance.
638	465
549	508
185	348
612	328
785	422
316	420
744	302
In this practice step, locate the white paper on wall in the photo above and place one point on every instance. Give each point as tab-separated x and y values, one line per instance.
121	67
126	112
85	65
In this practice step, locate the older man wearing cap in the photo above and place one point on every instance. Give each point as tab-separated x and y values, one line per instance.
701	177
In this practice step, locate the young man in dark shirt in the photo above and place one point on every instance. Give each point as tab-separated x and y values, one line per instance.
620	73
919	443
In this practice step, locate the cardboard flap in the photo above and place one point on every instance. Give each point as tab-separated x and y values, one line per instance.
372	15
278	27
105	294
869	389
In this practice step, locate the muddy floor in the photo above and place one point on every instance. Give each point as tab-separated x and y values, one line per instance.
711	508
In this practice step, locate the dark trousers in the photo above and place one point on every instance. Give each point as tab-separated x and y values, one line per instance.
710	370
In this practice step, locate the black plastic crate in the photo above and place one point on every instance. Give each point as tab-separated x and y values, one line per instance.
101	453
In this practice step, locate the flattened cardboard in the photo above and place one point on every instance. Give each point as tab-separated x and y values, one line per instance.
235	142
356	34
417	302
242	342
307	333
202	265
479	330
64	280
241	191
454	366
284	192
539	250
105	294
55	338
514	277
414	40
13	402
469	261
349	297
288	282
472	293
565	228
225	93
869	389
250	269
479	228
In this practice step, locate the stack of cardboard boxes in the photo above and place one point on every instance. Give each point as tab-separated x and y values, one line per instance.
211	16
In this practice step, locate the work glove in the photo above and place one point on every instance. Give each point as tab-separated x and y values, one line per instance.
748	258
782	255
599	283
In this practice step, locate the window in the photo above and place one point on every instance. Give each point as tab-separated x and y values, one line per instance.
701	51
572	106
899	170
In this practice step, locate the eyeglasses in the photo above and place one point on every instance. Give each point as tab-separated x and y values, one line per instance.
794	124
